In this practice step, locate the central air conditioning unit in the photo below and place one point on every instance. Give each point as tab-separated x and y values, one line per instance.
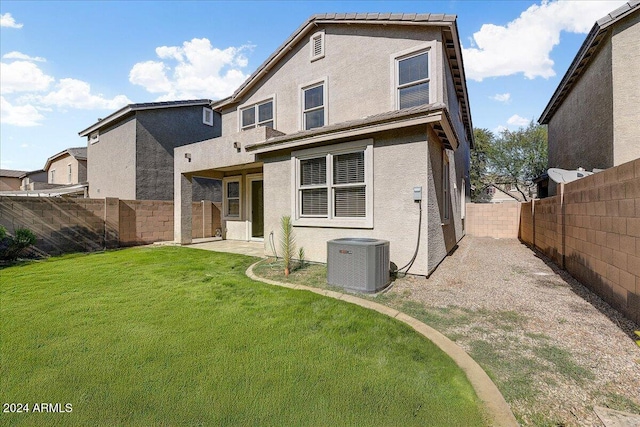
358	264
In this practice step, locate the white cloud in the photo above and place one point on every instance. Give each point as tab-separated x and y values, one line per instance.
194	70
77	94
516	120
23	56
6	20
25	145
19	115
499	129
23	76
501	97
524	44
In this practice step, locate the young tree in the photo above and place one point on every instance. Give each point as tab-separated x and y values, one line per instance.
478	173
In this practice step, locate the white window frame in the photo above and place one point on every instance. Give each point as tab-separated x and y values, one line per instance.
330	220
325	101
255	105
225	198
207	112
69	173
395	58
52	173
94	137
312	39
446	188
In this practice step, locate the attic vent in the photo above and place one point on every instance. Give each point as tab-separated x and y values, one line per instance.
207	116
94	137
317	45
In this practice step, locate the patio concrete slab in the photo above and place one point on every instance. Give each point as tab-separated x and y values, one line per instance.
613	418
230	246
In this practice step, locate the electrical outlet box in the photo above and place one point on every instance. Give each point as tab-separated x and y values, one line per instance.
417	194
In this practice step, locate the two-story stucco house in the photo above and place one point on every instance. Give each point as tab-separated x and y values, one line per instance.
130	152
594	114
67	167
348	122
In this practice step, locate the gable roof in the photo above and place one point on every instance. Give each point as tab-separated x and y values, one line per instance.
585	54
29	173
79	153
451	45
132	108
10	173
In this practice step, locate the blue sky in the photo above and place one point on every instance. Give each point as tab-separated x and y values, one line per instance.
67	63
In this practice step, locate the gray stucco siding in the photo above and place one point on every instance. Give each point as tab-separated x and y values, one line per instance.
581	130
158	132
626	89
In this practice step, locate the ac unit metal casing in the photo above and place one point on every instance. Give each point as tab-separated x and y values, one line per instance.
358	264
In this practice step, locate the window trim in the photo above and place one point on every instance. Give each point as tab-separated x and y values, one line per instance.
395	58
52	173
69	173
330	221
446	188
206	111
225	198
255	105
312	38
325	101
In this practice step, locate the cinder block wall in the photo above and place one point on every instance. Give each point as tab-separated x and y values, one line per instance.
547	228
602	229
499	220
62	225
526	223
84	225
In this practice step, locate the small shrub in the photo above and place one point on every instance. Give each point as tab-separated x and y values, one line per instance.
301	257
288	243
12	246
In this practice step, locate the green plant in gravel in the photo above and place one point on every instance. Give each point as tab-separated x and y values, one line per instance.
301	257
177	336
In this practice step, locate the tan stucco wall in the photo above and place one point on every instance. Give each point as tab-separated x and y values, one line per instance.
111	168
8	183
626	89
395	213
61	166
358	67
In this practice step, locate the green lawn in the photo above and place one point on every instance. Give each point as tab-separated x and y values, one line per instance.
176	336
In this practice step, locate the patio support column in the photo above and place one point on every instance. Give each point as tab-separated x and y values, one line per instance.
182	209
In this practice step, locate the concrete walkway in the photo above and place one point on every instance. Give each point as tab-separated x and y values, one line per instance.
497	408
230	246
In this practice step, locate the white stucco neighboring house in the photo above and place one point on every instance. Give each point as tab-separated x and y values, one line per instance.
336	129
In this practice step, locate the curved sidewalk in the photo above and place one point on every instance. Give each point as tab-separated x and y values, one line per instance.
497	408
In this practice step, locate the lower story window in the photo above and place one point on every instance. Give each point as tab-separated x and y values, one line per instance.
334	185
232	204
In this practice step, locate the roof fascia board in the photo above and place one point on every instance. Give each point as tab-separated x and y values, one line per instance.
133	108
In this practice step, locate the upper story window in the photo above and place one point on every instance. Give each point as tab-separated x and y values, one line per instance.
207	116
53	176
313	106
69	173
333	186
316	43
412	80
260	114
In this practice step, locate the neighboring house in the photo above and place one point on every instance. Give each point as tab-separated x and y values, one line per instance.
10	179
68	167
34	180
131	151
501	193
340	128
594	114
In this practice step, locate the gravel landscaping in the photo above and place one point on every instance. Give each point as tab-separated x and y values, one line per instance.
554	349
